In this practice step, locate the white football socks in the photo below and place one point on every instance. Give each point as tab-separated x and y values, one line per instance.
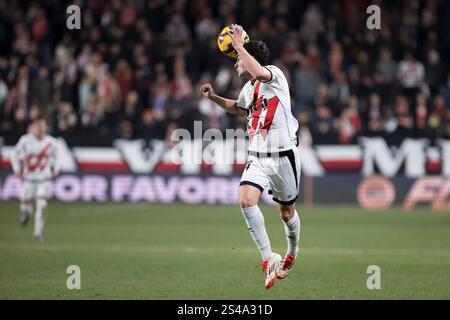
39	217
255	223
292	231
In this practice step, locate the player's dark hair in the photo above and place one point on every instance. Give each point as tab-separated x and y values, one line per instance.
258	50
39	117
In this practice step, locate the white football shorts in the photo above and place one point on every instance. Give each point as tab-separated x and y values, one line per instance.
278	171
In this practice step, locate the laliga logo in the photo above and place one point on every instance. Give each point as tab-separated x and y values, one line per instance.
432	189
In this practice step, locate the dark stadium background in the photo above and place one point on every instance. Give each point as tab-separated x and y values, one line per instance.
133	71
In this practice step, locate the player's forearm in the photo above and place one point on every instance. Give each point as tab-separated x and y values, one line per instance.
56	165
223	102
228	105
55	171
253	67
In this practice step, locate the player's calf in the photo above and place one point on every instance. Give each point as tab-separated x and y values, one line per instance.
38	238
291	222
26	209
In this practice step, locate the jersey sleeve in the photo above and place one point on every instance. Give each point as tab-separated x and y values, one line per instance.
276	76
241	100
18	156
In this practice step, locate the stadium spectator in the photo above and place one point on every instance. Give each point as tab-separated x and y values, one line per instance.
41	88
67	119
386	66
445	91
304	134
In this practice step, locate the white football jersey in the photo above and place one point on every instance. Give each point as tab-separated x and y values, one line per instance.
271	126
37	159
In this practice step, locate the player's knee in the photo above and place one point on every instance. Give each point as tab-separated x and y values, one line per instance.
247	202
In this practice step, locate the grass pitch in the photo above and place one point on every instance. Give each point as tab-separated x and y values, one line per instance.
146	251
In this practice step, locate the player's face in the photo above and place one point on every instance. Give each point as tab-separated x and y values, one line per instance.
40	128
240	69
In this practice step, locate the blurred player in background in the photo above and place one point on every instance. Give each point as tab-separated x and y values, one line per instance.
35	162
273	154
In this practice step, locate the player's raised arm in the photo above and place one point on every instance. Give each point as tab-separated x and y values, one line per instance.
228	105
253	67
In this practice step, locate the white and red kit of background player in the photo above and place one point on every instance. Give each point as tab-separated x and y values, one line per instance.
274	159
37	160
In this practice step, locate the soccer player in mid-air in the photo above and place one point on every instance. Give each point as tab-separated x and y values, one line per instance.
273	154
35	162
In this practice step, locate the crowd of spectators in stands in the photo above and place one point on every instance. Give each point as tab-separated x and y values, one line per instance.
134	68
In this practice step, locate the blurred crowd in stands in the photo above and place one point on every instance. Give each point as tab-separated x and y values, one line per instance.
134	69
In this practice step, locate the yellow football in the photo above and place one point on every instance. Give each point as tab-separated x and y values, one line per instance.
225	44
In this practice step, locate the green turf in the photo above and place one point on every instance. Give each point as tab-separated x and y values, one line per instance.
143	251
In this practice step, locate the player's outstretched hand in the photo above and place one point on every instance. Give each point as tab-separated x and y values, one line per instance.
207	90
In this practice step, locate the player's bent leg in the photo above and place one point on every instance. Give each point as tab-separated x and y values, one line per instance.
248	195
270	267
248	200
291	222
26	209
41	205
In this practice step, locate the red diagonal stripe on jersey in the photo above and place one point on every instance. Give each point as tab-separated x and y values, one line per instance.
256	92
272	105
32	166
